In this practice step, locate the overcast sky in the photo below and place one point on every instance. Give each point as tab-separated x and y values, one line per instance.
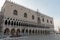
47	7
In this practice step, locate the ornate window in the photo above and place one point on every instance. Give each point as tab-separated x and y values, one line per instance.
51	22
38	20
25	15
47	21
15	12
43	19
32	16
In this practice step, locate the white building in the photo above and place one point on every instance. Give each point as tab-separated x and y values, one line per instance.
16	20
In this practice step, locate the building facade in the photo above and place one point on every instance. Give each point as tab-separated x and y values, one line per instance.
16	20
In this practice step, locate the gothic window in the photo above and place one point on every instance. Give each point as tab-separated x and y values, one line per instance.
5	22
32	16
43	19
47	21
51	22
38	31
25	15
29	31
14	23
35	31
15	12
7	18
17	23
38	20
9	22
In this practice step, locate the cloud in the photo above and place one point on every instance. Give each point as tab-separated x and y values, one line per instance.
1	3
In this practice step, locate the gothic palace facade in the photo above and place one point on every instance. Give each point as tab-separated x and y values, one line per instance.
16	20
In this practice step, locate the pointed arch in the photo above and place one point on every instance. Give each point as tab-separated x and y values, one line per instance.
25	14
9	22
30	31
36	31
6	31
13	31
5	22
26	30
33	31
18	32
22	30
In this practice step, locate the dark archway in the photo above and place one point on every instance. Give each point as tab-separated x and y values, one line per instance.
18	32
12	23
6	31
26	30
38	32
9	22
5	22
29	31
13	32
22	30
15	23
33	31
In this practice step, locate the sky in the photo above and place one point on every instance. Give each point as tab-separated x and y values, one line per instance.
47	7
